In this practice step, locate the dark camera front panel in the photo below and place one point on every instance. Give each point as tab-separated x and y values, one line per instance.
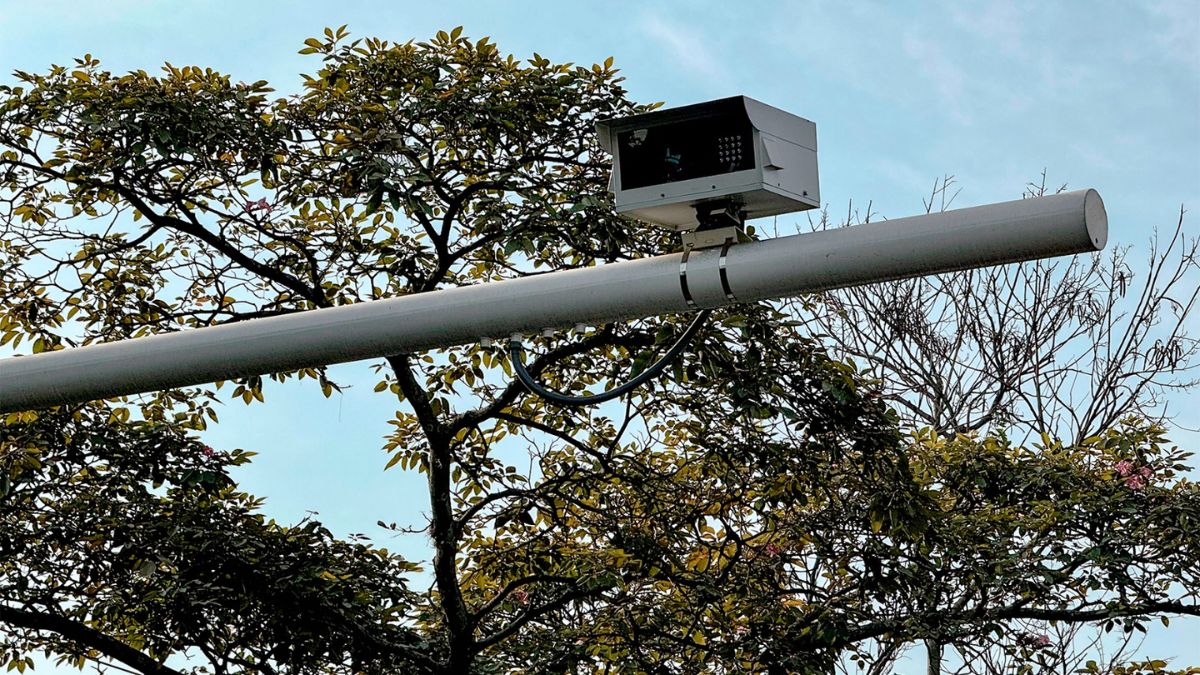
709	146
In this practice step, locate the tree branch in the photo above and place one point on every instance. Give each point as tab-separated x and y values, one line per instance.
442	524
85	636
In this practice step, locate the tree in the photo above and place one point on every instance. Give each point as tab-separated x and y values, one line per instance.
757	509
128	541
1064	347
1067	347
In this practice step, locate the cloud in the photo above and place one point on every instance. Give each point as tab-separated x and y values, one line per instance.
73	13
687	46
1002	23
1176	25
948	79
1094	156
906	177
831	42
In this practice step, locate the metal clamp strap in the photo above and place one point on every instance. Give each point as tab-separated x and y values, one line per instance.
724	275
722	264
683	282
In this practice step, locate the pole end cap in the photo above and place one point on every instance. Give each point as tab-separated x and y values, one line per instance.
1095	219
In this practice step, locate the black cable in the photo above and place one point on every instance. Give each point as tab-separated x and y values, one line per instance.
516	349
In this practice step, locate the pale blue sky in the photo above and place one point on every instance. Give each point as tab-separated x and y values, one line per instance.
1102	94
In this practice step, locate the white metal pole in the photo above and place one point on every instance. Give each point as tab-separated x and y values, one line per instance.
1062	224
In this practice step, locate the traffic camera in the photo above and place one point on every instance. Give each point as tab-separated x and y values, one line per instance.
735	156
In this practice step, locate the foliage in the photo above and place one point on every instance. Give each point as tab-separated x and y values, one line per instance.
758	510
130	541
1066	347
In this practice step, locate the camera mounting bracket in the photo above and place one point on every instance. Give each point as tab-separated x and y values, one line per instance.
720	221
721	224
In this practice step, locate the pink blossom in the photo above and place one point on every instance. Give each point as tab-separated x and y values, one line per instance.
1038	641
772	550
1134	477
521	596
208	451
260	205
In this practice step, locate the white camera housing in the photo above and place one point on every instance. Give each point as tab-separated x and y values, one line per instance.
732	150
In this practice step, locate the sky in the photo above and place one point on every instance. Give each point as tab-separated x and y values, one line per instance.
1099	94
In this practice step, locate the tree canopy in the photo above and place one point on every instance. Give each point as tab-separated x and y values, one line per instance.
760	508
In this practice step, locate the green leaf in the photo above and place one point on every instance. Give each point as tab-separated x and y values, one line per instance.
375	200
394	460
